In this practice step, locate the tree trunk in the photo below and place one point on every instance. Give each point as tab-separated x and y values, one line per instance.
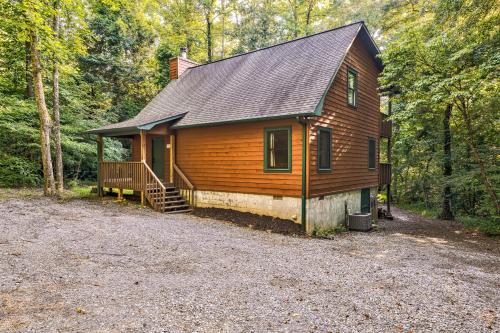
209	37
310	7
28	74
57	119
223	26
295	19
446	212
48	174
477	158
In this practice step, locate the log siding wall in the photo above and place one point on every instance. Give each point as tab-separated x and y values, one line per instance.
230	158
351	127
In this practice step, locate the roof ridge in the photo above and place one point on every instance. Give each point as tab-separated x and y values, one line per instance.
279	44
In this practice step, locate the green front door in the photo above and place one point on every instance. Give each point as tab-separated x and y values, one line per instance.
365	200
158	156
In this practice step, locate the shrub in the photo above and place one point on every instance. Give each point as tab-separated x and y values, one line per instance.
329	232
18	172
488	225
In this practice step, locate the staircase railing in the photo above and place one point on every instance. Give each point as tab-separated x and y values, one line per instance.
184	185
153	187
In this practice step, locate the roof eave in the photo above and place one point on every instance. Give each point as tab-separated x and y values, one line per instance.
114	131
131	130
247	120
150	125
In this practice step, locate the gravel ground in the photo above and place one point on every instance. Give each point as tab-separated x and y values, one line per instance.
84	266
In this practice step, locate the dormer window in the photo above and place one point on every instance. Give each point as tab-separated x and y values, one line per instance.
352	87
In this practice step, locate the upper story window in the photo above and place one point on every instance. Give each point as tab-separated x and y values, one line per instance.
352	87
371	153
324	149
278	149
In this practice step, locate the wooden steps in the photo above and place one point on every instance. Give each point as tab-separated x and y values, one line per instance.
167	199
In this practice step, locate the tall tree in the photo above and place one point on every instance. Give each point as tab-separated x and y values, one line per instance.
208	9
45	122
56	129
28	74
446	212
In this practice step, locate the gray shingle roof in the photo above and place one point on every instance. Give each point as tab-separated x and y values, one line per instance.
283	80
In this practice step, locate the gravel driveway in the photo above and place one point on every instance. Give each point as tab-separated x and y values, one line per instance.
101	267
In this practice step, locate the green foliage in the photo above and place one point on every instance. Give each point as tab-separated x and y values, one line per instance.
488	225
441	53
420	209
18	172
328	232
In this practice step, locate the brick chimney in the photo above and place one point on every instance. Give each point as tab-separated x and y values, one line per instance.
178	65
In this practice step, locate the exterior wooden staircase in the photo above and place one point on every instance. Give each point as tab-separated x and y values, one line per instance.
167	199
176	197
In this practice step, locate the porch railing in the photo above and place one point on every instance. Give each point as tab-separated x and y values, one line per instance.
138	176
129	175
385	173
184	185
385	126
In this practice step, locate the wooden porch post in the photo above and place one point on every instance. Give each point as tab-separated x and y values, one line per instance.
100	158
389	160
143	159
172	157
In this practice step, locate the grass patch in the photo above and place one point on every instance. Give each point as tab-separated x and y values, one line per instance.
79	192
329	232
24	192
420	209
489	226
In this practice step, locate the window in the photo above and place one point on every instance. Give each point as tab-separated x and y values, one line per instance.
352	87
324	149
278	149
371	154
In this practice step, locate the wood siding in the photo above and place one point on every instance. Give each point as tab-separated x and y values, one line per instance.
177	66
351	129
230	158
172	68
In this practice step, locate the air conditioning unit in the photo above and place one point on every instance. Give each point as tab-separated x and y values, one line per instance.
360	221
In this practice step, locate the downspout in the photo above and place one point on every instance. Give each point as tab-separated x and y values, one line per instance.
303	122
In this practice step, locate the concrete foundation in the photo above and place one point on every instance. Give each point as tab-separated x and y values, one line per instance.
276	206
322	212
330	210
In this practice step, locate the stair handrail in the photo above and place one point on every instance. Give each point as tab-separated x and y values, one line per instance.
183	176
158	182
155	178
185	181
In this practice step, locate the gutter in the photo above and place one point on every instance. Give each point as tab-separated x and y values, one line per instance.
303	212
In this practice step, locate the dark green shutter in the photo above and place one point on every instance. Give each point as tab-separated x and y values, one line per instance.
371	153
365	200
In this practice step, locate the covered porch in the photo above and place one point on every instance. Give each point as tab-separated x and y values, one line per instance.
151	173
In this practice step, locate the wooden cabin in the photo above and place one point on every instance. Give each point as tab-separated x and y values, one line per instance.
289	131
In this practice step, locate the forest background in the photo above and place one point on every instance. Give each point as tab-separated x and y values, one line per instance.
100	61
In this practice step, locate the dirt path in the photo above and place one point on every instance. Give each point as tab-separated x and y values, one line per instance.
85	266
440	231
